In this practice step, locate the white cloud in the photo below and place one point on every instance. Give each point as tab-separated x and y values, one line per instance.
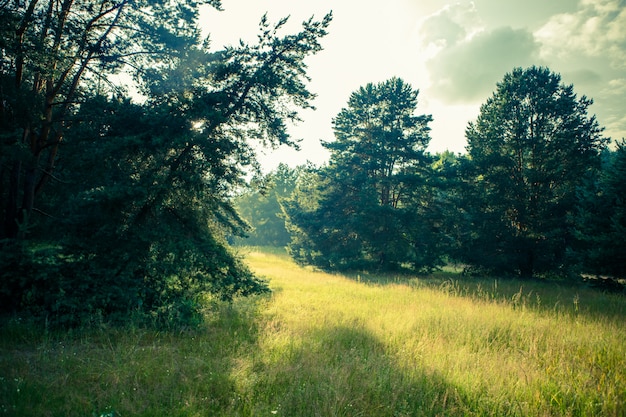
616	87
589	46
471	45
597	29
451	24
469	70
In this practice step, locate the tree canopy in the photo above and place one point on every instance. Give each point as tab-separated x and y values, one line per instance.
54	55
139	196
600	218
530	147
365	200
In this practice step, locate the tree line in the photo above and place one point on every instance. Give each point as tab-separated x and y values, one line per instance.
538	194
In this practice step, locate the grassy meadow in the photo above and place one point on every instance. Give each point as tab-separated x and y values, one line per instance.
334	345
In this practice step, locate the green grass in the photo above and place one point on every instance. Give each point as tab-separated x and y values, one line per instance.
333	345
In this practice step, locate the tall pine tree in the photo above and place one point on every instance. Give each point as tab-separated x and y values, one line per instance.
530	147
366	192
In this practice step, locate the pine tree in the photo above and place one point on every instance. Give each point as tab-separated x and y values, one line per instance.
142	199
530	147
367	193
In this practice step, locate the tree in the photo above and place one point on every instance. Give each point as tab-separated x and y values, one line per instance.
365	203
140	205
53	54
600	218
261	207
379	135
530	147
435	202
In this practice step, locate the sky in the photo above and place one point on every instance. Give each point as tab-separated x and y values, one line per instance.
453	52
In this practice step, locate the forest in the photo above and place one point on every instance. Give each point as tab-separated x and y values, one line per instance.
537	195
121	201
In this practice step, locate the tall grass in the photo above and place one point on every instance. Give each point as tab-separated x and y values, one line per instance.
333	345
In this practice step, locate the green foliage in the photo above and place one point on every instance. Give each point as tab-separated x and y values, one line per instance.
600	218
261	208
528	151
142	199
434	221
54	56
372	205
120	257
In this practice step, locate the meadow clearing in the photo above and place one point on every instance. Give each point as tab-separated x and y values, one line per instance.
333	345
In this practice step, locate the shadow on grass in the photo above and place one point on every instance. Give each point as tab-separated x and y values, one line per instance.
130	371
338	371
346	371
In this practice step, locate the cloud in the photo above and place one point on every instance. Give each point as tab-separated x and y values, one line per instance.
469	70
529	14
617	87
450	25
441	30
469	46
597	30
585	77
589	46
610	105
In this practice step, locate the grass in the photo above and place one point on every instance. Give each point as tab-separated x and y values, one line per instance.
333	345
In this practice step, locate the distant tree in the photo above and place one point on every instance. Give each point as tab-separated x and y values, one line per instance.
261	207
600	218
302	217
141	201
367	192
529	149
438	203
